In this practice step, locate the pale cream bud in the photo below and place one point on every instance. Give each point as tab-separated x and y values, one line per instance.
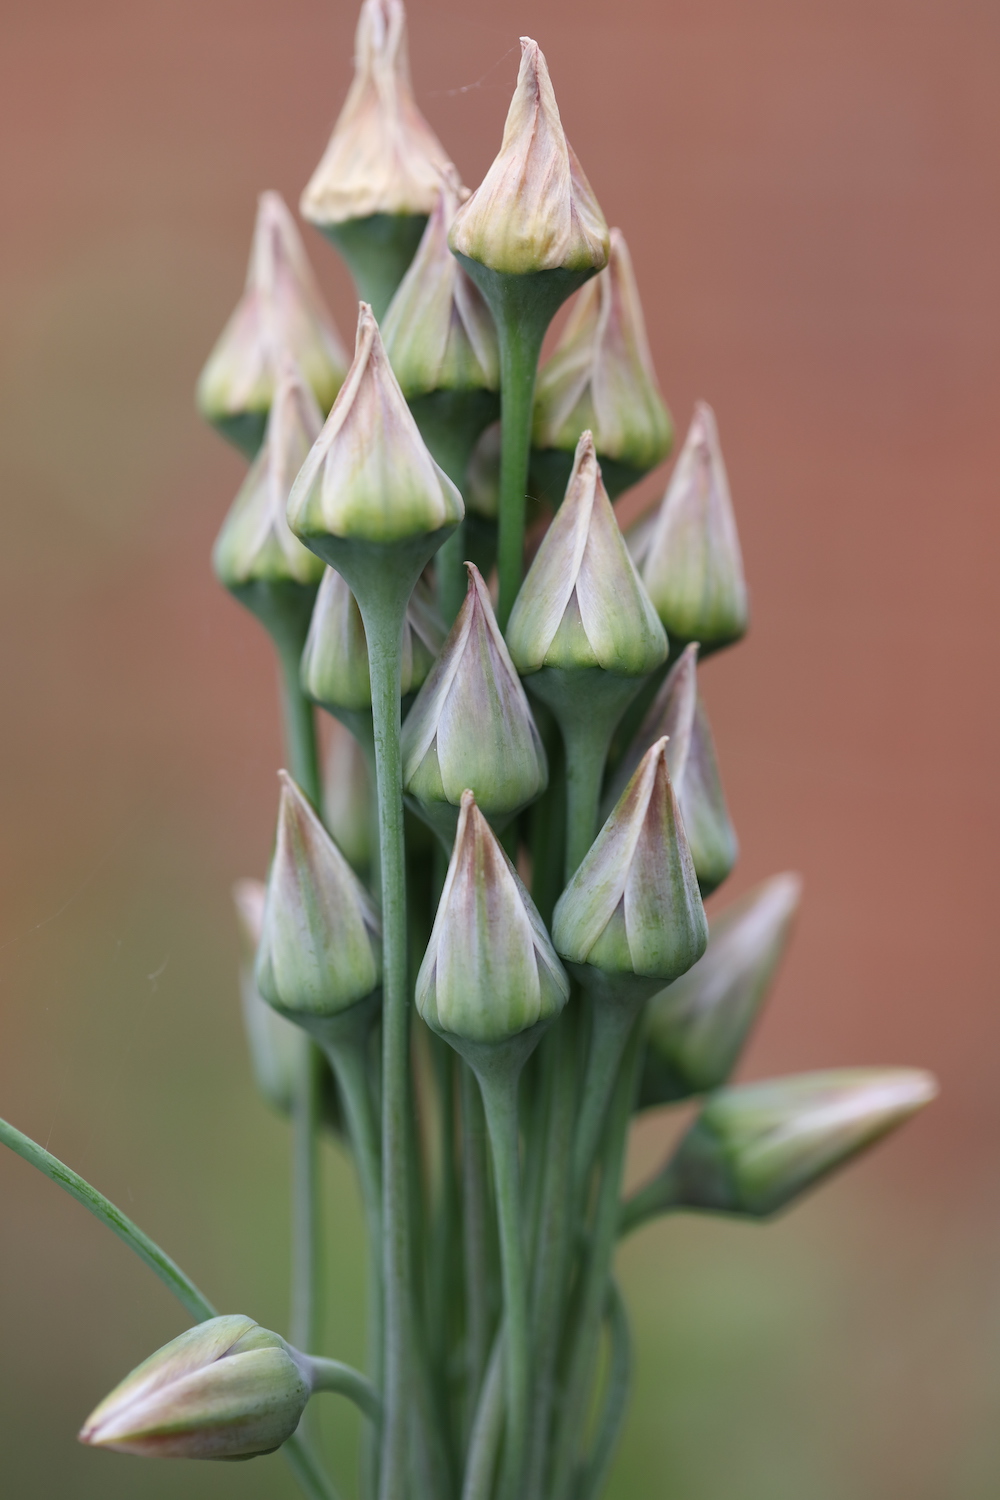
335	666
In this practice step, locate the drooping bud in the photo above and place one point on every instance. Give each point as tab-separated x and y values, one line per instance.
690	560
280	314
380	174
438	333
225	1389
255	545
320	949
471	726
697	1027
633	905
582	604
758	1146
601	376
335	667
489	971
535	210
348	804
678	712
369	476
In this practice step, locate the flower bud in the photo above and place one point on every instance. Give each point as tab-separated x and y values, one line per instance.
678	712
601	376
348	803
756	1147
320	948
280	314
439	333
697	1027
535	210
489	971
225	1389
383	157
335	668
471	727
690	560
633	905
369	476
582	604
255	546
274	1043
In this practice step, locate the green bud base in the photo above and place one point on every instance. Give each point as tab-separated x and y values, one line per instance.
378	250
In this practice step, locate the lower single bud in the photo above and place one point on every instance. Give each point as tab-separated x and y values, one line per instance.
226	1389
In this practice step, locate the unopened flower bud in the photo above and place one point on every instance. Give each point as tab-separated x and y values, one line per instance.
678	712
756	1147
255	550
225	1389
335	667
697	1027
348	803
471	726
633	906
535	210
369	476
601	376
275	1044
489	971
439	333
582	604
280	314
383	157
690	559
320	949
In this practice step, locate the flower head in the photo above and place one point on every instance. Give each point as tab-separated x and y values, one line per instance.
490	970
225	1389
369	475
471	726
255	544
633	905
601	374
678	712
696	1028
690	557
582	603
756	1147
335	667
438	332
280	314
320	948
535	210
383	157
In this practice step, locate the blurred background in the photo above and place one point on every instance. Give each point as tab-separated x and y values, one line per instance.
810	194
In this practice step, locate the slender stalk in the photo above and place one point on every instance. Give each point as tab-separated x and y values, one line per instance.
474	1236
616	1001
520	345
612	1417
586	753
304	1321
191	1299
487	1430
343	1380
312	1481
661	1196
499	1090
585	1343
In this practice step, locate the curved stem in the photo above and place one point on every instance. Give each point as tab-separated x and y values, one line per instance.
487	1430
616	1001
306	1110
475	1233
499	1090
615	1400
343	1380
191	1299
661	1196
594	1289
302	1461
520	345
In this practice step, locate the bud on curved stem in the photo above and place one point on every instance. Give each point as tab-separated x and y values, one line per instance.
280	316
379	176
529	236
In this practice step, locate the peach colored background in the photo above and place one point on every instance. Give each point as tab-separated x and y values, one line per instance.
810	193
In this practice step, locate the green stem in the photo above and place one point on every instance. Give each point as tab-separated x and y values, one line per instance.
304	1320
183	1288
585	1342
520	346
487	1429
586	753
312	1481
378	249
499	1090
609	1428
616	1001
661	1196
475	1236
343	1380
299	718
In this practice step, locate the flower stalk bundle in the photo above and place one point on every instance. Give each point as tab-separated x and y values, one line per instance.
481	948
